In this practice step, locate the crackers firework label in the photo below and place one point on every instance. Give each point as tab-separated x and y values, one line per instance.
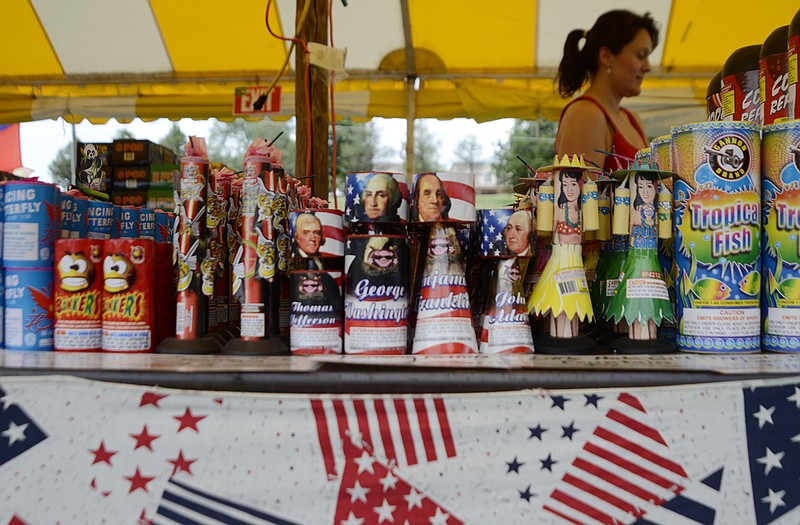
780	282
316	312
78	295
128	295
376	302
718	236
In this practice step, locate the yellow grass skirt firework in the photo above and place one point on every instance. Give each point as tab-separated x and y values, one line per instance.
562	288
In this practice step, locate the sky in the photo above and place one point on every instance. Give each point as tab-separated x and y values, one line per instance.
41	140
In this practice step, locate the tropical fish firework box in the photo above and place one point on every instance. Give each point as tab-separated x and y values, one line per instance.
780	171
717	236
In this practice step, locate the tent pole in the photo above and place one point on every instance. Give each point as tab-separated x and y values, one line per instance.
314	30
74	156
411	116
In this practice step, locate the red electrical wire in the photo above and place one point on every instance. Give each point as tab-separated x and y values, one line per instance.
306	87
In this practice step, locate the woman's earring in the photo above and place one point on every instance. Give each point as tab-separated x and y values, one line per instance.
608	70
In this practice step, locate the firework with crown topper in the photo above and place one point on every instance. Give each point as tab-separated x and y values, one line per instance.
562	293
641	299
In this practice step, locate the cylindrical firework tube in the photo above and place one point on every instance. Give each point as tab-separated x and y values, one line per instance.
191	304
147	223
129	309
780	293
713	100
32	223
377	197
99	220
772	76
443	321
127	219
78	291
163	227
504	326
741	99
217	221
316	317
377	295
717	235
792	63
29	319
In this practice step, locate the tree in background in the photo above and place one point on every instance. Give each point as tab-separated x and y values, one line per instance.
356	148
426	149
533	140
228	141
60	168
124	134
175	139
468	153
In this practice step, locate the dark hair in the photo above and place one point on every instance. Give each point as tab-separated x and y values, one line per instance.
573	174
614	30
652	177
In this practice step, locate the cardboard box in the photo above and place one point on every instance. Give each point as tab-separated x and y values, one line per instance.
94	166
144	177
157	199
130	152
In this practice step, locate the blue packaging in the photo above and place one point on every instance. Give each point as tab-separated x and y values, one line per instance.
99	219
73	216
147	223
29	316
32	223
2	304
163	228
127	219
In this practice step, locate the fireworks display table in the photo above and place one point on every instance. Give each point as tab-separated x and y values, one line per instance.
398	374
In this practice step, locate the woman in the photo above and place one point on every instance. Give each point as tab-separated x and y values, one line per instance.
614	60
644	205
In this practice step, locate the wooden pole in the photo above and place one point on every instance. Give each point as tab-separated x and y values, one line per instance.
314	30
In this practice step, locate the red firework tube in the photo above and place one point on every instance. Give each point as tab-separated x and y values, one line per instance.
165	293
254	317
129	295
235	251
190	312
78	295
221	187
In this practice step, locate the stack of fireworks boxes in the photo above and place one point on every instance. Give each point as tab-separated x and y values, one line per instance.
143	173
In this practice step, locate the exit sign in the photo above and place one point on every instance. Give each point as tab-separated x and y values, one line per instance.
245	97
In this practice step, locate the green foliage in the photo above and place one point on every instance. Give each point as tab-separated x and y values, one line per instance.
356	148
175	139
124	133
60	168
228	141
534	141
469	152
426	149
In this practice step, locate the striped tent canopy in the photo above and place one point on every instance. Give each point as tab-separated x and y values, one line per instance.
98	59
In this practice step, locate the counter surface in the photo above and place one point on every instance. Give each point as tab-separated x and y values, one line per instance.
398	374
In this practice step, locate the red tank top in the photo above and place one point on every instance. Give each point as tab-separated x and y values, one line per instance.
620	145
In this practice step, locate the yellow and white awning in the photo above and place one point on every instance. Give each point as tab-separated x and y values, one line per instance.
99	59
